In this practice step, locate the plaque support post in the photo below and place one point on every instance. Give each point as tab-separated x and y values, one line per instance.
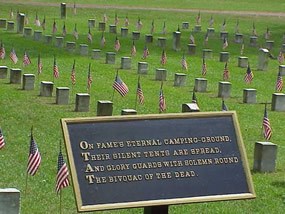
156	210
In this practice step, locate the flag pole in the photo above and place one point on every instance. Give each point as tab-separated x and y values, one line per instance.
114	88
60	190
53	68
26	185
265	106
136	101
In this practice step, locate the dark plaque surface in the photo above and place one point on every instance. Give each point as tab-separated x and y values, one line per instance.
149	160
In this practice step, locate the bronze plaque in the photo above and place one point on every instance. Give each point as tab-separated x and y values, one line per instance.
149	160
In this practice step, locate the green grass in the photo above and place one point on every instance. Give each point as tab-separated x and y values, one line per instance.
22	109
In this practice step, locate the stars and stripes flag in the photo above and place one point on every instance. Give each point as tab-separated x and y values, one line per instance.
164	28
161	102
13	56
26	59
103	40
237	26
117	44
34	159
62	180
184	63
74	9
139	24
206	39
89	78
64	30
2	51
44	23
279	83
127	22
145	52
40	64
2	140
224	106
55	69
211	22
152	27
204	67
133	50
224	25
11	14
163	58
192	39
116	19
226	73
89	36
242	49
225	44
54	28
266	127
140	94
254	29
198	19
280	57
37	21
267	34
249	75
120	86
105	18
26	19
73	76
75	33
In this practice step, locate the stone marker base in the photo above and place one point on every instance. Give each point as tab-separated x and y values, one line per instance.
28	82
282	70
269	45
96	54
211	31
91	23
179	79
83	49
263	59
197	28
249	95
200	85
15	76
3	72
110	57
46	89
104	108
48	39
128	112
265	156
38	35
238	38
185	25
243	61
224	89
102	26
161	42
59	41
224	35
62	95
190	107
191	49
82	102
207	53
148	38
176	41
142	67
3	23
253	41
136	35
9	201
160	74
28	32
126	63
224	56
124	32
70	46
278	102
112	29
10	26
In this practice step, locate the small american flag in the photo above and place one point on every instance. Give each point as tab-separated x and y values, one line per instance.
224	25
116	19
26	20
37	21
226	73
2	140
105	18
44	23
152	27
254	30
184	63
198	19
34	159
11	14
133	50
267	34
163	58
249	75
55	69
279	83
72	76
242	49
120	86
103	40
75	33
145	52
281	57
26	59
13	56
161	103
224	106
211	22
140	93
2	51
139	24
164	28
64	30
267	131
40	64
192	39
117	44
54	28
206	39
62	180
89	78
204	67
127	21
225	44
237	27
89	36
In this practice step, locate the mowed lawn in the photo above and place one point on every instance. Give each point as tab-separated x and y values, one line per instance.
20	110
